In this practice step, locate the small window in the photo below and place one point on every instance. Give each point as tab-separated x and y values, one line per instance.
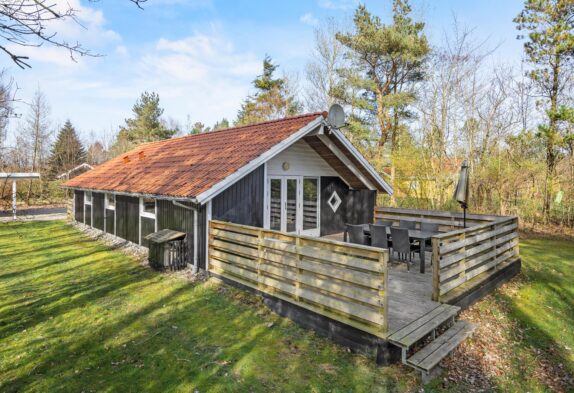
110	201
147	207
88	197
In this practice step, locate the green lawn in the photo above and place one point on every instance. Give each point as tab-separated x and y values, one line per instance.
76	316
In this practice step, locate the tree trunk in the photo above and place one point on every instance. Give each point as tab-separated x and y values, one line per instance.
551	155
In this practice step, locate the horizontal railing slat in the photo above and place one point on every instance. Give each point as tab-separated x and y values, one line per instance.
329	277
470	252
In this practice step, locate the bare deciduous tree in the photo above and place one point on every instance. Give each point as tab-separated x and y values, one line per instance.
321	70
29	23
36	132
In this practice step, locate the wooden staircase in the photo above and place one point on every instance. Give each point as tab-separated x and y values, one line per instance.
427	357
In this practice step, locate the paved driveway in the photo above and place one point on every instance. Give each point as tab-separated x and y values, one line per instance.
35	214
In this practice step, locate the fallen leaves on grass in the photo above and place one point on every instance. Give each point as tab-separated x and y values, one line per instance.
495	349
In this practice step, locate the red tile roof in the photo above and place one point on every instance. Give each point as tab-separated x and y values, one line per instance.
189	165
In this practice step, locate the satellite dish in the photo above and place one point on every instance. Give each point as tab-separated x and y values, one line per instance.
336	117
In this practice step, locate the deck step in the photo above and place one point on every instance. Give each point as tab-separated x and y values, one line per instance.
422	326
428	357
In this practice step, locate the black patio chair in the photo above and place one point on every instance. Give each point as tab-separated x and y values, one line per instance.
402	245
386	223
407	224
429	227
379	237
356	235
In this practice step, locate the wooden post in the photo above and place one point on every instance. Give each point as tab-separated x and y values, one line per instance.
299	257
494	228
260	256
384	291
436	269
14	199
463	260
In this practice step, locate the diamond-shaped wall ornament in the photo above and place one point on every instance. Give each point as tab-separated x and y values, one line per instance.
334	201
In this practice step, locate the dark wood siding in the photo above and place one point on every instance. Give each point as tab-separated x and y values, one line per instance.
361	206
88	214
201	236
148	226
357	206
110	222
242	203
178	218
333	222
98	207
127	220
79	206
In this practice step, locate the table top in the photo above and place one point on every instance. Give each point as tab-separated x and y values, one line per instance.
413	233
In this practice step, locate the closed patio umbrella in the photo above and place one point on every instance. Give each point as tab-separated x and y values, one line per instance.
462	189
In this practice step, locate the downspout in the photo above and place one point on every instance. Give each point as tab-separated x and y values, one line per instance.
176	203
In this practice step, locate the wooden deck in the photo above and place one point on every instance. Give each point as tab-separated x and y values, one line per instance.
410	292
414	316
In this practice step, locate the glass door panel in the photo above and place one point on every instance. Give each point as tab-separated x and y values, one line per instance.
291	205
275	205
310	203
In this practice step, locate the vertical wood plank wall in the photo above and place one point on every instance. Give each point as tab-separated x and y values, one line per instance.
79	206
98	210
170	216
127	218
344	282
242	203
110	221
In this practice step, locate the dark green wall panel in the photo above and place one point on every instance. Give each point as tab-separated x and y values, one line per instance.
98	206
79	206
127	218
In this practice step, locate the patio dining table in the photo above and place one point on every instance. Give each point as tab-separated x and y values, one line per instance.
414	234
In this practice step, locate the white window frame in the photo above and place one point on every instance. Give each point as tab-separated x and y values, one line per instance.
108	207
147	214
107	203
152	216
89	203
315	232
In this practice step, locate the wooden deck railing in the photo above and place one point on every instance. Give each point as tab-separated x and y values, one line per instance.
448	221
344	282
464	258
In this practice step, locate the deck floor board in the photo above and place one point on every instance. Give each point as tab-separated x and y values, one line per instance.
410	292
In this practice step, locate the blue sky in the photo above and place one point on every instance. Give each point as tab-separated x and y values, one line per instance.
201	55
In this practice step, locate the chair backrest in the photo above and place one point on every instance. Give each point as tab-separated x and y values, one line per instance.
356	234
386	223
429	227
400	239
408	224
379	236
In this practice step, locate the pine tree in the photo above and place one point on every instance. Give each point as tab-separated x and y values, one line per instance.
386	61
550	51
220	125
67	151
145	126
272	99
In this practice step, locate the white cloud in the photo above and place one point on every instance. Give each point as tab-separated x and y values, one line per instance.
203	75
309	19
87	28
338	4
122	50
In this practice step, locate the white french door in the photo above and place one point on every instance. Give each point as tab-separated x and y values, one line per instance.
293	204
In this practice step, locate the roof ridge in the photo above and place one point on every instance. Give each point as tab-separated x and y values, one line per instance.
145	144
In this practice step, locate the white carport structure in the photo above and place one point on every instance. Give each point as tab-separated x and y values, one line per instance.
14	177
